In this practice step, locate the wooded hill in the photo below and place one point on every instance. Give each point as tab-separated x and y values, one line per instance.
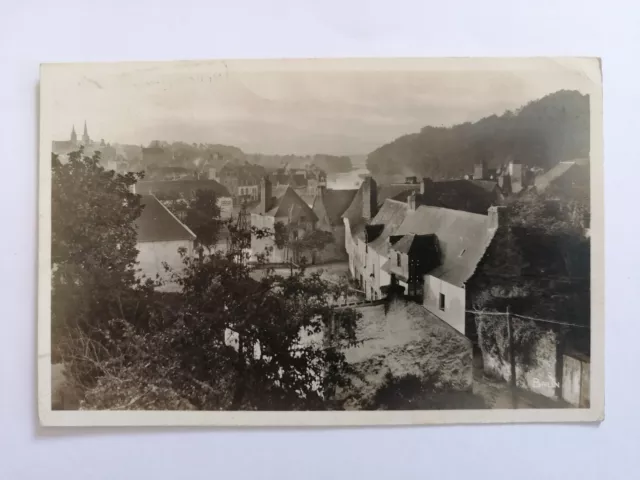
541	134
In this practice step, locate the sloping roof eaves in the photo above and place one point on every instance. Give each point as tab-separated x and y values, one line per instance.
157	224
391	215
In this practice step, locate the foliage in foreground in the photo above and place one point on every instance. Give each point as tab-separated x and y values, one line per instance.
226	341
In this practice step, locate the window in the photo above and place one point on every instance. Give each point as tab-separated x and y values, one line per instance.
398	259
442	301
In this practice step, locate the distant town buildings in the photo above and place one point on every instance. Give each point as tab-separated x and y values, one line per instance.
108	155
242	180
186	190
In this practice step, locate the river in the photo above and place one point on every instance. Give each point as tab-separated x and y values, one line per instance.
347	180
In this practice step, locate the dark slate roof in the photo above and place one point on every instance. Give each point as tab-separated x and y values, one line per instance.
398	192
415	244
285	201
185	187
390	216
157	224
475	196
334	202
463	238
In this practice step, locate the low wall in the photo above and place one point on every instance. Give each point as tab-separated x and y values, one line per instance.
538	375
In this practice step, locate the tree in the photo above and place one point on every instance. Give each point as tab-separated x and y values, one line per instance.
203	217
93	240
234	343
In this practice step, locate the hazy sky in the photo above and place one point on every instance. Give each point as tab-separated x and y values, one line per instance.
292	110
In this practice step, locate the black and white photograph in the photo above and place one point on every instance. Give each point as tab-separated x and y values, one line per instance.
321	242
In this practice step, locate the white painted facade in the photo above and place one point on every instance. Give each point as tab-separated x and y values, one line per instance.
445	301
152	256
225	204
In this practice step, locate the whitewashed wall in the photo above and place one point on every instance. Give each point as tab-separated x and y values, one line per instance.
453	312
152	255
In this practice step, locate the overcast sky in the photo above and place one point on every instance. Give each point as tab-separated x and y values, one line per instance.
291	110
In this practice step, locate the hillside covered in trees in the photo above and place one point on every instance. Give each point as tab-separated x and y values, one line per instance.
541	134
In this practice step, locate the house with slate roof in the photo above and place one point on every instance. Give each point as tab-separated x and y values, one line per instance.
369	239
160	237
434	253
371	217
329	205
280	205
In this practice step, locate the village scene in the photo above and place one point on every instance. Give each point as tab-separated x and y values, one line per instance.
444	269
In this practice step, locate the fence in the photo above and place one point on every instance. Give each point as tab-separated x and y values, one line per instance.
558	374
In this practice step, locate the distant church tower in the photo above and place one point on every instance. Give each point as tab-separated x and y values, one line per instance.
74	137
85	136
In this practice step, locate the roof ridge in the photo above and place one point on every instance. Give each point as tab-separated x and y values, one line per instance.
459	212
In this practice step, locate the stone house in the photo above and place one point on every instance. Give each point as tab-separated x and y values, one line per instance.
434	253
160	238
242	180
329	205
282	206
366	203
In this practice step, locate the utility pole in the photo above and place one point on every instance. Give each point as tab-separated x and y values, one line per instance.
512	358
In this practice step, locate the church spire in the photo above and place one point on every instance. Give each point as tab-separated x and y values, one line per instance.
85	136
74	136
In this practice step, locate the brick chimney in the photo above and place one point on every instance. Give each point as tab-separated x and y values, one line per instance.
497	216
424	185
369	198
411	201
265	195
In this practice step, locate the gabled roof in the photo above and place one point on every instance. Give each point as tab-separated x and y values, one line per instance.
184	187
286	202
332	204
157	224
463	238
398	192
390	217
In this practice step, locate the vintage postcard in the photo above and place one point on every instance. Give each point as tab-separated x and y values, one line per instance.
321	242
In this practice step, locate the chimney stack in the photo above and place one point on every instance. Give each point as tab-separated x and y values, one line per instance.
411	201
497	216
369	198
424	185
265	195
